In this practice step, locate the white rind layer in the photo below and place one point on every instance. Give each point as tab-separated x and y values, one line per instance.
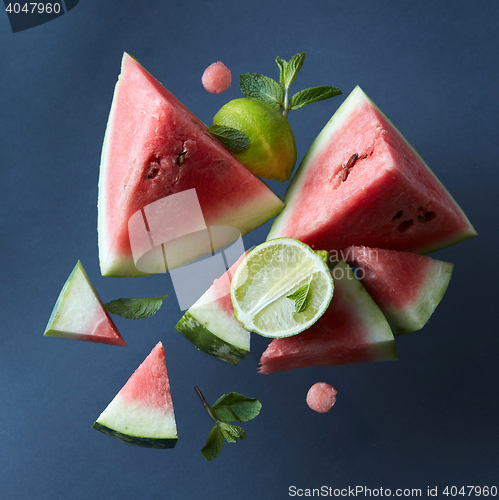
224	326
367	311
134	419
417	314
80	312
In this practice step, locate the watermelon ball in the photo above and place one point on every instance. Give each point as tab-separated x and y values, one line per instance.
216	78
321	397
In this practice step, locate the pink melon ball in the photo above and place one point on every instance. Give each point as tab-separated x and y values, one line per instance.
321	397
216	78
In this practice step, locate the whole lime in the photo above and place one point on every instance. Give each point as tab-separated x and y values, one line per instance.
272	150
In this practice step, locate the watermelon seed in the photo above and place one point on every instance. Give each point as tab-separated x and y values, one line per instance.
153	170
181	157
427	216
350	163
397	215
404	226
352	160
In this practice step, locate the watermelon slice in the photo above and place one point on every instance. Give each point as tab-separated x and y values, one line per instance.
210	324
154	147
384	197
407	287
352	330
79	313
141	414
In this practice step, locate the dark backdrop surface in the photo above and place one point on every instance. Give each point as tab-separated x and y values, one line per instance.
428	420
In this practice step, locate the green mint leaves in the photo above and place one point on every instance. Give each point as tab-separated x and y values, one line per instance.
277	94
308	96
263	88
135	308
232	407
301	296
214	444
290	69
234	140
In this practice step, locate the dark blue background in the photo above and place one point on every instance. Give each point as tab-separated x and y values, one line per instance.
429	419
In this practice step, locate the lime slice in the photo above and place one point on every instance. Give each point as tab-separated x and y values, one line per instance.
281	288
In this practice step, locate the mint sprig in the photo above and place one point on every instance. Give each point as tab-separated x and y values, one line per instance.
277	94
232	407
135	308
301	296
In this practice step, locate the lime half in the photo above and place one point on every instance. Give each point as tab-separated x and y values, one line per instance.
281	288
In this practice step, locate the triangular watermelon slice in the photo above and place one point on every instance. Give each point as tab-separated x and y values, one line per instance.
155	147
407	287
79	313
141	414
352	330
385	196
210	324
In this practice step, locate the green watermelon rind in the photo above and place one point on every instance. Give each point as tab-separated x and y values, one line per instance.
323	139
207	341
143	442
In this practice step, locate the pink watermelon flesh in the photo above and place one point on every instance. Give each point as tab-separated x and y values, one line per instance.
155	147
352	330
388	198
149	385
407	287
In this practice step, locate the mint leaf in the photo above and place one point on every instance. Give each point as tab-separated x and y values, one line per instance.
282	68
234	407
294	65
214	444
290	69
314	94
261	87
234	140
231	432
135	308
301	296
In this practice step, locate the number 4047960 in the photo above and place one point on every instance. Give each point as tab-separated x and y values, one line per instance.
33	8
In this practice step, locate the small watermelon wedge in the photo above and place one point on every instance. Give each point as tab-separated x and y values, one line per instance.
79	313
407	287
141	414
154	147
362	183
352	330
210	324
